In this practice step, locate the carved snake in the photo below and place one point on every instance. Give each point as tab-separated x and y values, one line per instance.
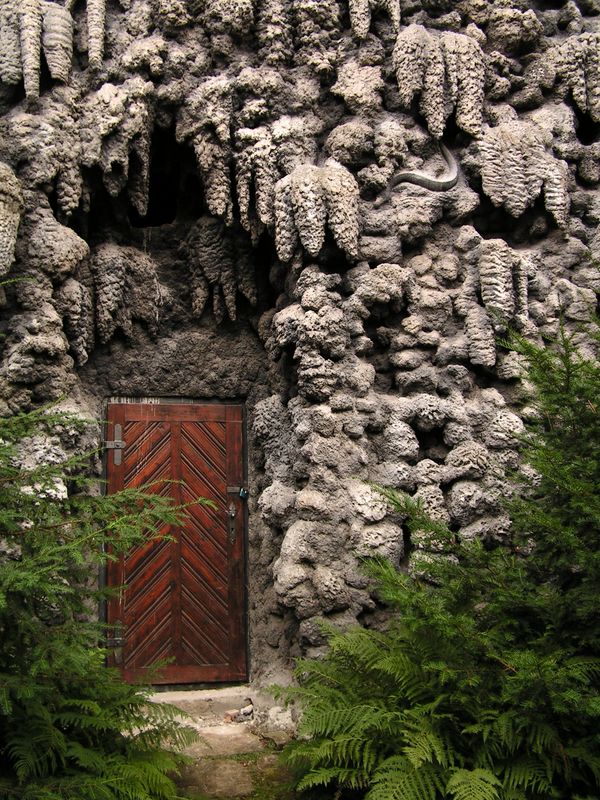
446	180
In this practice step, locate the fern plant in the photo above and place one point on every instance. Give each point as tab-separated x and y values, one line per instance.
484	686
69	727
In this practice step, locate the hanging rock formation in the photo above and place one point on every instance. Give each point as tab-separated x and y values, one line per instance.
11	205
516	166
446	71
28	27
308	198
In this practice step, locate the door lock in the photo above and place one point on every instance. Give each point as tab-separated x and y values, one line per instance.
231	515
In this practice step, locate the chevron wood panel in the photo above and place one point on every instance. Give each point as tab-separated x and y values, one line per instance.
205	591
184	599
148	458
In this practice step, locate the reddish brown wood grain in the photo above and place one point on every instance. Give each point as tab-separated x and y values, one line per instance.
184	600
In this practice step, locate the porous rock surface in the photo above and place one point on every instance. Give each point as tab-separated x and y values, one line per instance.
188	208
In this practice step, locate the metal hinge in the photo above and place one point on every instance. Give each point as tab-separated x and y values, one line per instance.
241	491
117	641
117	444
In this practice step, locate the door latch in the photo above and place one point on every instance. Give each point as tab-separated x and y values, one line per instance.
231	515
116	444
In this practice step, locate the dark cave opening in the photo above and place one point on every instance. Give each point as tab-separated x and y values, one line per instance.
454	137
484	377
174	188
587	130
551	4
175	194
331	258
99	212
46	81
11	95
379	328
492	221
435	8
431	443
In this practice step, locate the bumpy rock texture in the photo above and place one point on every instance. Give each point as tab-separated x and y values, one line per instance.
202	199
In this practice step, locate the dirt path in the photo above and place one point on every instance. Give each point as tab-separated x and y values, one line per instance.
241	732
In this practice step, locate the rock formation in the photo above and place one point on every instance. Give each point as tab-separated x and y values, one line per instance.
332	211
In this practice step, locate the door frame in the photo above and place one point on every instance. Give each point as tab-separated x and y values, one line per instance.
112	644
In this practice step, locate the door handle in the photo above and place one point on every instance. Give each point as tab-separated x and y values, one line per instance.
231	517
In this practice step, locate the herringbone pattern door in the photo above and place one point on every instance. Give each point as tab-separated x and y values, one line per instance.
184	598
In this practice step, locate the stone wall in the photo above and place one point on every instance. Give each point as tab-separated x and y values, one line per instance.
332	210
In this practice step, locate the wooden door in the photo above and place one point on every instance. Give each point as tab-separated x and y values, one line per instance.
184	599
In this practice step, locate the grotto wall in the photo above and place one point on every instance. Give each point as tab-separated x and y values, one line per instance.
329	209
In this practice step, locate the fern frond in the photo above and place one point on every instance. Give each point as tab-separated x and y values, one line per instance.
34	754
504	730
528	773
397	779
541	737
358	719
584	667
408	676
338	776
428	747
89	759
476	784
586	757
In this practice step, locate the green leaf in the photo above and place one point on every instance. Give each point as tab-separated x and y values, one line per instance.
477	784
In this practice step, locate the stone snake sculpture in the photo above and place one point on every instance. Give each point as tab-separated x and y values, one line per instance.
447	180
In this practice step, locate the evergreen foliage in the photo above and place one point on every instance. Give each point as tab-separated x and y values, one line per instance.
69	727
485	684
